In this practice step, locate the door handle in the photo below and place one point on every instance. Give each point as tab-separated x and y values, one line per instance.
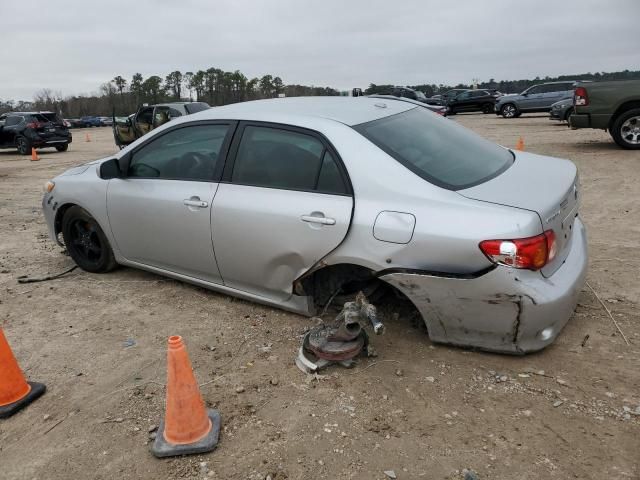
195	203
320	220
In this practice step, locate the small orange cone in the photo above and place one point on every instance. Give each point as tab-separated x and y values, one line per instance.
34	155
15	391
188	426
520	144
87	138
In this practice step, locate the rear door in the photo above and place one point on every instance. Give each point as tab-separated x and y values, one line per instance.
284	203
160	214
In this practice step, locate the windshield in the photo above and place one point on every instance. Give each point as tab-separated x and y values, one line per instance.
420	95
438	150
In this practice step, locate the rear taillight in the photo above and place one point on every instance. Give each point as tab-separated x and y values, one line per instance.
531	253
580	97
35	125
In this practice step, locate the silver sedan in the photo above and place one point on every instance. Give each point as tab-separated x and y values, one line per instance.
287	201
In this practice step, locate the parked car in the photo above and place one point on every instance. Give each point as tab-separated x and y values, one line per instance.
440	110
75	123
106	121
148	117
446	96
612	106
472	101
26	130
561	110
301	197
537	98
90	121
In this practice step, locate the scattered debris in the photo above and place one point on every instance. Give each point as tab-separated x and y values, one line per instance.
470	475
609	313
26	279
341	342
557	403
239	389
390	474
584	340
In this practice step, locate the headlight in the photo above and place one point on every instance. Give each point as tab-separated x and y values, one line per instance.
49	186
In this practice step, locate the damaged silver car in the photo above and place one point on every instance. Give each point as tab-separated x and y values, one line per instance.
288	201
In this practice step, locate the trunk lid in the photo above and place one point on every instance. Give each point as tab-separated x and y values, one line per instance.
545	185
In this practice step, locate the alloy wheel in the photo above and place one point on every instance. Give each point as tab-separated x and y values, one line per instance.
630	130
508	111
85	241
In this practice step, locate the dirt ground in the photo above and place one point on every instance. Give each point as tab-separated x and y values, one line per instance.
419	409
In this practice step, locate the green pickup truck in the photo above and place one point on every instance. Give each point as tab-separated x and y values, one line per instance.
612	106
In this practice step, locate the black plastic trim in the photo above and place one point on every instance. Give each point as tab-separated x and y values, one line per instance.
431	273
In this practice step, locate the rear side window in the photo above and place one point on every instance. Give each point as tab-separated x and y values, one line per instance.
276	158
189	153
436	149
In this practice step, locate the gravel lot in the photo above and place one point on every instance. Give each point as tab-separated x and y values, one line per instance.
421	410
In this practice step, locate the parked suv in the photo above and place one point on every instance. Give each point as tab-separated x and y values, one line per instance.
537	98
472	101
26	130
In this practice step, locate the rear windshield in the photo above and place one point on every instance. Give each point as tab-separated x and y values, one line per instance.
52	117
196	107
437	149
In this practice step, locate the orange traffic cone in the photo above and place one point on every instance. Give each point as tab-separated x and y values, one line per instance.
15	391
520	144
34	155
87	138
188	426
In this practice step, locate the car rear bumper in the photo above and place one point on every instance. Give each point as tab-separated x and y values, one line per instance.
587	120
504	310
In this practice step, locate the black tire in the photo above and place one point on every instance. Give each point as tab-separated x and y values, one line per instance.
86	242
509	110
487	108
62	148
568	114
23	145
625	129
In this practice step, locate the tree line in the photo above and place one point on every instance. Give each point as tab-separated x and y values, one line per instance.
218	87
124	96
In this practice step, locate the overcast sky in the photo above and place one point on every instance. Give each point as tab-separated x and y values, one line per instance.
73	46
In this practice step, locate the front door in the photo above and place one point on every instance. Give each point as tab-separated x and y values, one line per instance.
533	99
160	214
284	204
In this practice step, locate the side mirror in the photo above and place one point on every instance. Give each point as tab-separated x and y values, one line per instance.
110	169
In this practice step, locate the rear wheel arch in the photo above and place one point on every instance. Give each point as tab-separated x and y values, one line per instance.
622	109
339	283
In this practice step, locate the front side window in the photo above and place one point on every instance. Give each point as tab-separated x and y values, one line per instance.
188	153
534	90
276	158
440	151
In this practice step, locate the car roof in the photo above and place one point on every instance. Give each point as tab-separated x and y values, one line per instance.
347	110
26	113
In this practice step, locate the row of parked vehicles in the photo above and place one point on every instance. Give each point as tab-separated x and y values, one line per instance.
613	106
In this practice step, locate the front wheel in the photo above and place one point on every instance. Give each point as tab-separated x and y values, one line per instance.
509	110
62	148
23	145
625	129
86	242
